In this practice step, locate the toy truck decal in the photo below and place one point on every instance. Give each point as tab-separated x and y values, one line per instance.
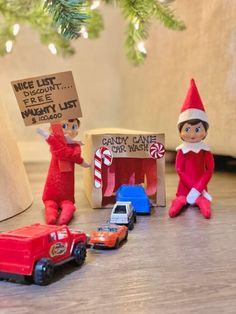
58	249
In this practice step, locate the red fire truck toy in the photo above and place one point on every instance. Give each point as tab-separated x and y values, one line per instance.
34	251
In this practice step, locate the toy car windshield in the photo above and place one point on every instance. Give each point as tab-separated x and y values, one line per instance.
107	229
120	209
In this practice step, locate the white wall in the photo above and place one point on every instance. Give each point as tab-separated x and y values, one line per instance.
205	51
113	93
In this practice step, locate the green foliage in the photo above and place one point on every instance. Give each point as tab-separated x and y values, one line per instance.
60	21
94	24
165	15
139	14
69	15
31	13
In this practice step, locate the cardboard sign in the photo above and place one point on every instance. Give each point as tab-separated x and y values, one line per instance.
48	98
127	145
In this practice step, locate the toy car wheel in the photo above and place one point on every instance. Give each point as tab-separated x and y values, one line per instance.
117	245
131	224
79	253
126	236
43	272
28	279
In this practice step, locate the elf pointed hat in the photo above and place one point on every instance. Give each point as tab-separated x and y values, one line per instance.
192	107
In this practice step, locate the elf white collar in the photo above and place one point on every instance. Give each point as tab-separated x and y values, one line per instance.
193	147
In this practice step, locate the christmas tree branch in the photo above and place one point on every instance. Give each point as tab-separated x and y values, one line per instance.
167	18
60	21
69	15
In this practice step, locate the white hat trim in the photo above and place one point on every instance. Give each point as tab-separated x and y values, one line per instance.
190	114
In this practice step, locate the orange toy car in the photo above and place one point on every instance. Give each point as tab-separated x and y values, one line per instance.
108	236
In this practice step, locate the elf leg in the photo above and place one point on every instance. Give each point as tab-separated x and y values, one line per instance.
67	211
177	205
204	206
51	212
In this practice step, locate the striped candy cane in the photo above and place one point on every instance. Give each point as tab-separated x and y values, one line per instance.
102	153
157	150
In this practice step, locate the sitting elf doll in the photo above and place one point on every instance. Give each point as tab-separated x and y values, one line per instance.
194	161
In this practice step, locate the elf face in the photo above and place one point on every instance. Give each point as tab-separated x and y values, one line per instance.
193	133
70	129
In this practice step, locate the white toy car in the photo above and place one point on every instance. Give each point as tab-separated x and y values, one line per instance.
123	213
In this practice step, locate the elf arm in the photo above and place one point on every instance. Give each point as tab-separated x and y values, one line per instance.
200	187
63	151
205	178
180	169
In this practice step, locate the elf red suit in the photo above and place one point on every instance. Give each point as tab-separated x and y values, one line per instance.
59	187
194	161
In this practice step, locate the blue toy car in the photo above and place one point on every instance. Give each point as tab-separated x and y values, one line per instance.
137	195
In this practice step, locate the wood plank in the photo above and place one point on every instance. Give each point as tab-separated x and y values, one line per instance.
168	266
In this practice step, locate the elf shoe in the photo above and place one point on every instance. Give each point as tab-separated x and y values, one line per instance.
51	212
176	206
67	212
204	206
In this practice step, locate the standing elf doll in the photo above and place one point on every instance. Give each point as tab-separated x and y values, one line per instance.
194	161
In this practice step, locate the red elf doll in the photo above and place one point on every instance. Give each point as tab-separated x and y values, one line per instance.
59	187
194	161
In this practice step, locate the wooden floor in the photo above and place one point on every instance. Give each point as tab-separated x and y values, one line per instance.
168	266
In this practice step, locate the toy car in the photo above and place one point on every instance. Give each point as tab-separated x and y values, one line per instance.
108	236
123	213
137	196
34	250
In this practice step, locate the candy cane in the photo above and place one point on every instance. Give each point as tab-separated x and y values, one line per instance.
102	153
157	150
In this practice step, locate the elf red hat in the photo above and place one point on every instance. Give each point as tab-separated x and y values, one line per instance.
192	107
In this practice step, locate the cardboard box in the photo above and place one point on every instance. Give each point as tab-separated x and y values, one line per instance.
123	156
